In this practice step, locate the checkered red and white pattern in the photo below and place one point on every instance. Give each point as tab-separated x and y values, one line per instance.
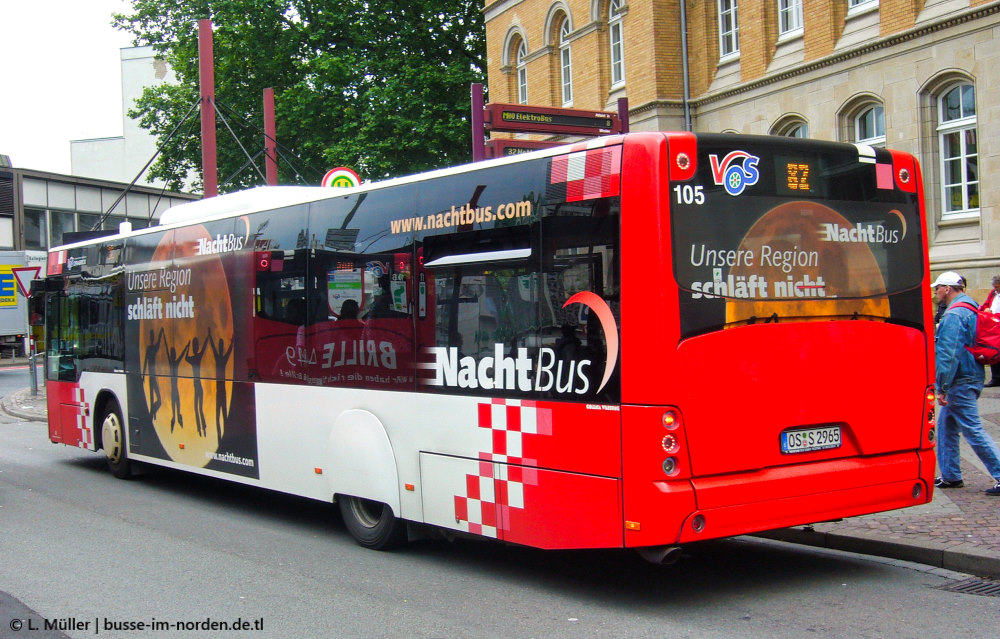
82	423
55	262
585	174
501	487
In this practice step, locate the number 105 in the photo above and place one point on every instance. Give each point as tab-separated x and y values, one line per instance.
687	194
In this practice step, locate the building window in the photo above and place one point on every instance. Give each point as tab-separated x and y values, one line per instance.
617	42
522	73
798	131
957	137
87	221
791	126
566	63
729	29
62	222
869	126
36	230
790	17
6	231
857	4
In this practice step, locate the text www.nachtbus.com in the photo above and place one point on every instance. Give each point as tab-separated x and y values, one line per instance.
464	215
229	458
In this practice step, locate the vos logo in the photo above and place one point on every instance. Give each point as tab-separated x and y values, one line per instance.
736	171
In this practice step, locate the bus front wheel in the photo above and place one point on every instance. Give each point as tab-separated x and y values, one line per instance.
113	441
372	523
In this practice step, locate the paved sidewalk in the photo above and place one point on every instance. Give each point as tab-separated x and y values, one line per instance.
959	530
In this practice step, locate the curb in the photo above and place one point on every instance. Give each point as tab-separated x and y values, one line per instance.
964	558
11	406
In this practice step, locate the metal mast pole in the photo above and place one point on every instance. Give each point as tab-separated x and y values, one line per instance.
206	69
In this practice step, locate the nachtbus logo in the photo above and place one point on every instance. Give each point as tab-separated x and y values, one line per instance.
518	371
865	233
736	171
221	244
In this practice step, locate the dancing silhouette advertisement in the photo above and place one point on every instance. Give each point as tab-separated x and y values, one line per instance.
186	405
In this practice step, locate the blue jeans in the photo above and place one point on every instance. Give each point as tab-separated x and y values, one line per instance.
961	415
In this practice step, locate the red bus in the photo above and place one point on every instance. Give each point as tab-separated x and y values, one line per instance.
639	341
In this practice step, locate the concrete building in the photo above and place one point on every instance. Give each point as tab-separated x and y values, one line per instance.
120	158
921	76
37	207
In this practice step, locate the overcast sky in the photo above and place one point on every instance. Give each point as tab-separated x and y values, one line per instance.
62	69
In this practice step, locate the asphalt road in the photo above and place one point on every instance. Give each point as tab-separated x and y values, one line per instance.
101	556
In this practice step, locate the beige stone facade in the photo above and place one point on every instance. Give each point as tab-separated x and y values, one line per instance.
812	66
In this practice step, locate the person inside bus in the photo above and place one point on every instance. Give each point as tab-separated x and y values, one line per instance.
382	306
992	304
959	382
349	312
295	311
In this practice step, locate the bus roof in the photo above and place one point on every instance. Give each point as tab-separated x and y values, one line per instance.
270	197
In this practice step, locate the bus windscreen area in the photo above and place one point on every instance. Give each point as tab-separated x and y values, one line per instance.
766	233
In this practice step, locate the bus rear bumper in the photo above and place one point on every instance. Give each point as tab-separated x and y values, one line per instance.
744	503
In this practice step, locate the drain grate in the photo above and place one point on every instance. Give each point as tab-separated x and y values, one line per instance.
974	586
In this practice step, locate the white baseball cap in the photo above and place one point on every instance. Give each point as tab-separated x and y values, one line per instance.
948	278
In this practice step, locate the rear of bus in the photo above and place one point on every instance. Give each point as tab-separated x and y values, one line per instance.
776	335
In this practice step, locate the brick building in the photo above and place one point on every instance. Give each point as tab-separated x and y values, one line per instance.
921	76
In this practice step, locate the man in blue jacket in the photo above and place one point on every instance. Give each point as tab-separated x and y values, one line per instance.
959	382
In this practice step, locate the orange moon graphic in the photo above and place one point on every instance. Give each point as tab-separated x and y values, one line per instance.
847	268
188	399
902	222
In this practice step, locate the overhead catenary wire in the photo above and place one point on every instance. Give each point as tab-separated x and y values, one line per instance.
156	204
218	106
249	161
159	148
237	140
284	153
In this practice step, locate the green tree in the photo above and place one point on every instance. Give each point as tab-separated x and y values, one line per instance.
381	86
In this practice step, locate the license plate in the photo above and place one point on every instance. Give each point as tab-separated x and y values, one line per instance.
809	439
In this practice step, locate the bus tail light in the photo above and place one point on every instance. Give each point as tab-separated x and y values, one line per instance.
672	443
671	419
930	419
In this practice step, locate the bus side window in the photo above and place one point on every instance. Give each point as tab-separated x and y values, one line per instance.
580	255
62	340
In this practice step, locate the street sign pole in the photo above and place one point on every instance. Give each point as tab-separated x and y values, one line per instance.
478	130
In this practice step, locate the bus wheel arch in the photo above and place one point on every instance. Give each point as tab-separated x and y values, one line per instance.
363	477
372	523
110	434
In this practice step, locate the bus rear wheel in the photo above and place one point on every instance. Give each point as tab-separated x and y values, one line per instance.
372	523
113	441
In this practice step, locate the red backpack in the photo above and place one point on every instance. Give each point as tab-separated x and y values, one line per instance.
986	347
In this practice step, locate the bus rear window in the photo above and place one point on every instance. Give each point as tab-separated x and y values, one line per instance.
765	234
